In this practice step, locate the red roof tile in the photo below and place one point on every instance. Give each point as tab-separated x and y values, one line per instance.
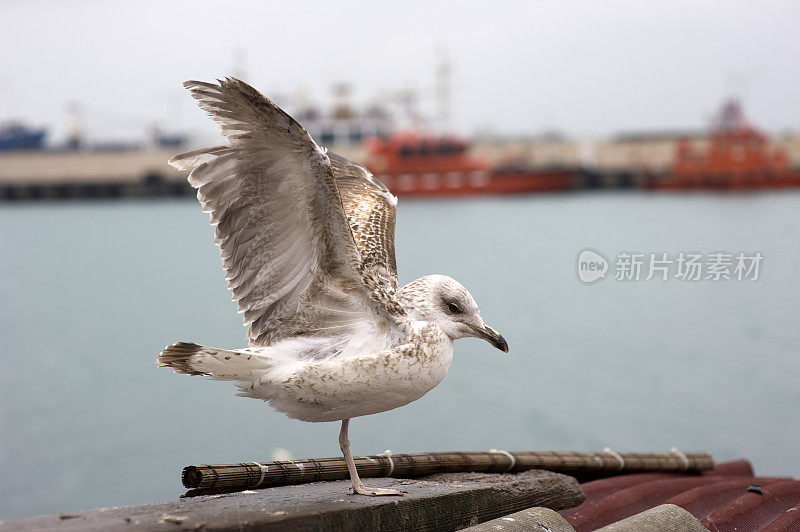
726	498
632	500
754	511
787	522
704	500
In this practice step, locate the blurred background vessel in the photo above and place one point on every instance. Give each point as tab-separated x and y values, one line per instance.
734	155
16	136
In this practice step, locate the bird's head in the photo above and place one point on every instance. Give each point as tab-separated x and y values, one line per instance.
445	302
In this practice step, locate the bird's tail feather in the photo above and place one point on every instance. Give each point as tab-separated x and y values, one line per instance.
221	364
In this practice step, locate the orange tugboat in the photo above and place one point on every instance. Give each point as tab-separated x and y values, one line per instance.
413	164
737	156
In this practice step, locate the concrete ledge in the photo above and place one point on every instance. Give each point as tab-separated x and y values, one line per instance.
451	501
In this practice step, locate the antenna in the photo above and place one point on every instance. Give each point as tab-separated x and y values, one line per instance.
239	69
75	133
443	71
741	81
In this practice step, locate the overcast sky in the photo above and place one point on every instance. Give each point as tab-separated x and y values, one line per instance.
584	68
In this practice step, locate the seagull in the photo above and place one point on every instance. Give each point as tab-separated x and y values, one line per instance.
307	244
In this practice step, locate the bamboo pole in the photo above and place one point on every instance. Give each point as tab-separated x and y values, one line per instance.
248	475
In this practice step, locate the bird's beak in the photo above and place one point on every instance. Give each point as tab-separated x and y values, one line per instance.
491	336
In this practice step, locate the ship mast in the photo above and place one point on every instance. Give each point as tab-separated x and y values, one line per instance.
443	71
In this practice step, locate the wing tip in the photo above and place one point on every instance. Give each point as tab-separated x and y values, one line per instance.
196	87
175	162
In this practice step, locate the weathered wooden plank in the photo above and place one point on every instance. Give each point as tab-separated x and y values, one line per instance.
442	502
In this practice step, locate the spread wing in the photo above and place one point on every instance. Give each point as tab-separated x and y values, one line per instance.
370	209
289	255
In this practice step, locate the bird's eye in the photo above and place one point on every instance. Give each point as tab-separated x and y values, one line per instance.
453	308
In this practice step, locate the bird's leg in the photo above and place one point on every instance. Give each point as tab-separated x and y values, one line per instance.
355	481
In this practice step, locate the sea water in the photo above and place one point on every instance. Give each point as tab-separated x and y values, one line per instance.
91	292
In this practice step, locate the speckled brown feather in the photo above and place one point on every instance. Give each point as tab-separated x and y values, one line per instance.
370	211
